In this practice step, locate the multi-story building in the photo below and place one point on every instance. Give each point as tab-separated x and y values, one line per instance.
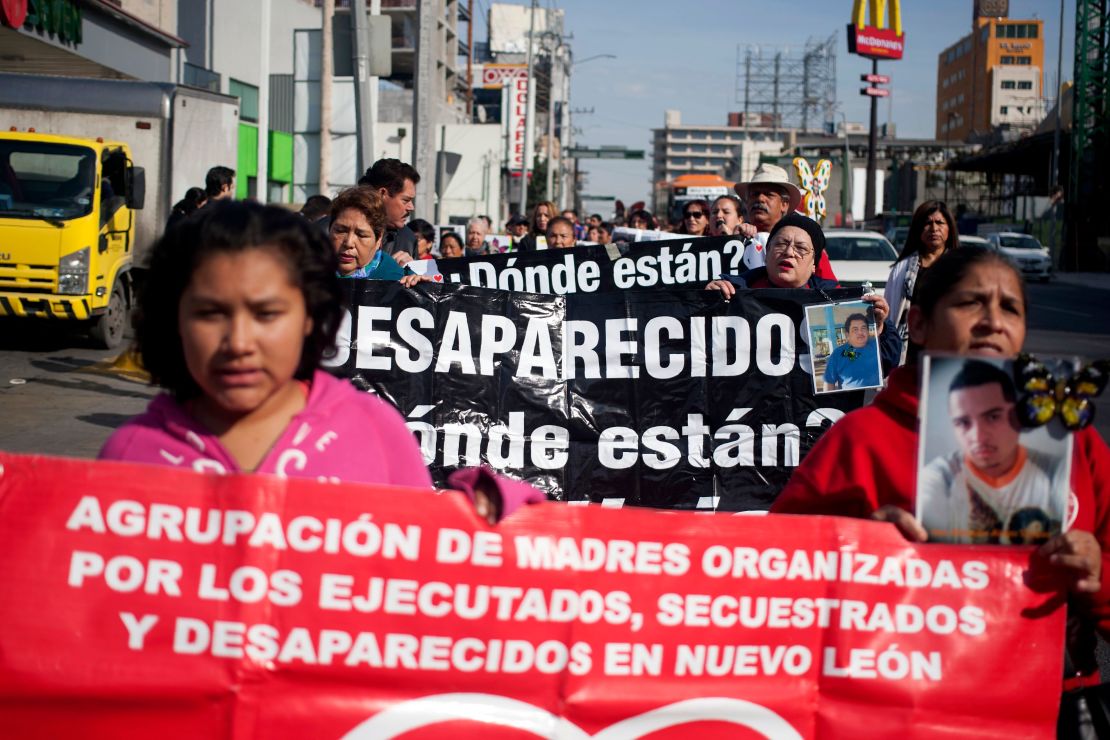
992	79
733	152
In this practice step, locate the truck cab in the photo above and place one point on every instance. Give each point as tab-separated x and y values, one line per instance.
67	230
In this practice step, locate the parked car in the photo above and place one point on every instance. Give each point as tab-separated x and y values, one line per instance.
1028	253
967	240
897	236
860	256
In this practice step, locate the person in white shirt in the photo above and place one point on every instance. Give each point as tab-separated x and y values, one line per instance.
992	490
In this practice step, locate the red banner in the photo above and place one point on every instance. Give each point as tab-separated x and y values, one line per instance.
140	601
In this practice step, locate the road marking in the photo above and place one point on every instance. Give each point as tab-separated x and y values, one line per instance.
1064	310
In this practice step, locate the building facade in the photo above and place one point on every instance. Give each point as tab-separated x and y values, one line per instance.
991	81
126	40
732	152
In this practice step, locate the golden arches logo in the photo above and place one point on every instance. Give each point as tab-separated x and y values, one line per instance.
878	14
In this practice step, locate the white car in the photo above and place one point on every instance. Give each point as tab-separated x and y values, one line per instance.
966	240
1026	252
860	256
897	236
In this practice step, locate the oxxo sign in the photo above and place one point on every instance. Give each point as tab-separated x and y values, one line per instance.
869	33
60	18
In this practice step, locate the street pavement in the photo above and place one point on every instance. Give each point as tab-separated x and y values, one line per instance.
58	398
55	396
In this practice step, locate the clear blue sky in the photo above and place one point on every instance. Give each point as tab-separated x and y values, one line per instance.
683	55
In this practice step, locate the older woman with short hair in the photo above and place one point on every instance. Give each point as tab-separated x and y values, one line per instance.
794	248
358	223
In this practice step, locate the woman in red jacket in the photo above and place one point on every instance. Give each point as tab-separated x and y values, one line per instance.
971	302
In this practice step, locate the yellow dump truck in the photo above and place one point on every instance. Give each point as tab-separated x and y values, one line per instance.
79	160
67	229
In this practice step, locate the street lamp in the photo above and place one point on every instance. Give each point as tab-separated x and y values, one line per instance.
567	129
595	56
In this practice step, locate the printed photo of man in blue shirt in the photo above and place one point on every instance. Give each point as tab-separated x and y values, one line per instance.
854	364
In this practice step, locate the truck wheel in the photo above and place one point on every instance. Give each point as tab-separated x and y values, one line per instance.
109	326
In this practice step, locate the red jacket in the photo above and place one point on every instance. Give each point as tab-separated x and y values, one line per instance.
868	459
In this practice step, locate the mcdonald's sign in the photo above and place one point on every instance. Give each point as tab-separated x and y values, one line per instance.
874	32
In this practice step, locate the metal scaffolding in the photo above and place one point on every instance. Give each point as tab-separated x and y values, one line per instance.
784	87
1090	142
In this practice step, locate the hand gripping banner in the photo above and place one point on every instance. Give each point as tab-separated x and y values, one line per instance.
664	398
141	601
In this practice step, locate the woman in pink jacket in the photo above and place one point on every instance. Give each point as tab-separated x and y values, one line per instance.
238	309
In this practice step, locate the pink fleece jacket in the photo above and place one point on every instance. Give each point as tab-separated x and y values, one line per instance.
342	434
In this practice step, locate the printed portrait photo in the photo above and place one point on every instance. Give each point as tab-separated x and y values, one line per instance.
845	347
982	478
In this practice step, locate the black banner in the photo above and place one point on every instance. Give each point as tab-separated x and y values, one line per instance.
668	398
591	269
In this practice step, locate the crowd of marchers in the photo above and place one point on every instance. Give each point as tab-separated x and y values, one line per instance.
253	293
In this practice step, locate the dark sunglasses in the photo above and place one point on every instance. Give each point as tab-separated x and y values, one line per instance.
694	214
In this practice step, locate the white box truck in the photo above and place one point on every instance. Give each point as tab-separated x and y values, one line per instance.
89	170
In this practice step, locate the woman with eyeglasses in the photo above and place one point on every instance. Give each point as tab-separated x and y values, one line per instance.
794	248
695	218
932	233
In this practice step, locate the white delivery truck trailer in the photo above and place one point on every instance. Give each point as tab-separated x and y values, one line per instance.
175	133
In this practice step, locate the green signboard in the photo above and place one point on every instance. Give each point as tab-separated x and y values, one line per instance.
60	18
605	152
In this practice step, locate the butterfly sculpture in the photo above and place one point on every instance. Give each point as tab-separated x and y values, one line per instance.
1044	396
814	183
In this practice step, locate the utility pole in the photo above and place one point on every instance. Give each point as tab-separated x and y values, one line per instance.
372	134
872	144
426	102
1054	179
529	120
846	177
327	72
262	178
549	186
947	151
364	124
469	60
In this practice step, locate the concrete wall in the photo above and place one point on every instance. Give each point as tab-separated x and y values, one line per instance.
161	14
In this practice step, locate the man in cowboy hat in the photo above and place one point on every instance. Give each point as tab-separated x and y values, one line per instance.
769	196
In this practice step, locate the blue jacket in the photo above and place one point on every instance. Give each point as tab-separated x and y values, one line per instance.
890	344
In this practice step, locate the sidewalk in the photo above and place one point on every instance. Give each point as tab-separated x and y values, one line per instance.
1098	280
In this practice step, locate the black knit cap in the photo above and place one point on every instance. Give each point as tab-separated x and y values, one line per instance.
806	224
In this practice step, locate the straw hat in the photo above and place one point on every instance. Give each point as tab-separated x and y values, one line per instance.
770	174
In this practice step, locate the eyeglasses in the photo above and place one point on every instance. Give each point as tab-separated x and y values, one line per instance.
694	214
780	248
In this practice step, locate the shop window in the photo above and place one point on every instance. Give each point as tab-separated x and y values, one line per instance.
248	99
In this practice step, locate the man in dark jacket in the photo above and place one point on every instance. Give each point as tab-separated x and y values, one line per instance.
396	182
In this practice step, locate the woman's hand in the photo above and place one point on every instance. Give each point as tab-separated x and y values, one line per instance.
487	502
882	309
728	290
1072	559
402	257
746	229
411	280
906	523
